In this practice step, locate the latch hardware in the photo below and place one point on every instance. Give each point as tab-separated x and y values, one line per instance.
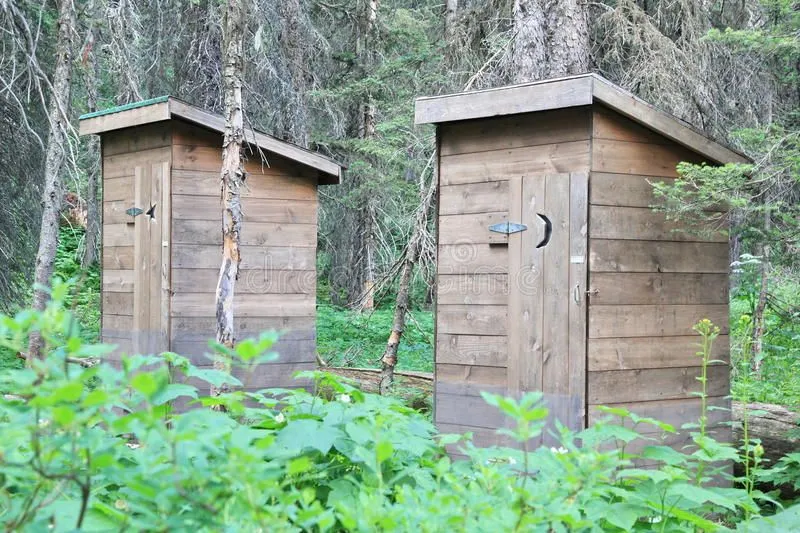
507	228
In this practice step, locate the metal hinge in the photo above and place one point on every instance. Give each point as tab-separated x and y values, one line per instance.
507	228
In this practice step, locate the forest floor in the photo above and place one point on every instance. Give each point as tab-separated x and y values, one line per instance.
350	339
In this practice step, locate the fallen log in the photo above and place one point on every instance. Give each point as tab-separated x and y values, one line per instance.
774	425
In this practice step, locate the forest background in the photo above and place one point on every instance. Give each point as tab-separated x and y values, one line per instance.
340	77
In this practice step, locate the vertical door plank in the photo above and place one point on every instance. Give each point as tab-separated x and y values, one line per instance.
529	283
578	259
154	261
515	297
141	251
555	298
166	255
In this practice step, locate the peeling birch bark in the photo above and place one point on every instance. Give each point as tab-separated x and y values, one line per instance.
232	177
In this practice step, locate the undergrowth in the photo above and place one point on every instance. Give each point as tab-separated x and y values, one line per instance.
98	447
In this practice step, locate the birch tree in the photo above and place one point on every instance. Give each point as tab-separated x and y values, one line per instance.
232	175
410	257
55	154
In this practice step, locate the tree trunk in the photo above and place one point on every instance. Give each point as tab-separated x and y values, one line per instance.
93	148
450	17
295	112
367	131
58	115
412	253
232	176
757	345
529	61
551	39
568	33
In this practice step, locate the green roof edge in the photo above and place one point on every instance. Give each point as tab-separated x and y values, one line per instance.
125	107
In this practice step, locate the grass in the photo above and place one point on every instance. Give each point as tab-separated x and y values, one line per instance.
85	297
779	379
348	338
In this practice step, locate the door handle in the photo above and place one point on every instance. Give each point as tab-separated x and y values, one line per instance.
548	230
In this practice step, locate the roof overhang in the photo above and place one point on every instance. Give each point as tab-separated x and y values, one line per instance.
573	91
168	107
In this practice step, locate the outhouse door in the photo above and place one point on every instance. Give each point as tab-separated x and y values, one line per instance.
547	277
151	293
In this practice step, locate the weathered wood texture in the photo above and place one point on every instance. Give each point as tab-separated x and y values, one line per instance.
160	272
603	313
497	170
650	281
138	156
277	281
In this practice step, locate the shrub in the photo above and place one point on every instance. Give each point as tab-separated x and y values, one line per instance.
98	448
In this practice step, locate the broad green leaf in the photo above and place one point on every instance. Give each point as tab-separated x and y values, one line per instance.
144	383
63	415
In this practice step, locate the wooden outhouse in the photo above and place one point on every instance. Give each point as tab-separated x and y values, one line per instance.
554	273
162	235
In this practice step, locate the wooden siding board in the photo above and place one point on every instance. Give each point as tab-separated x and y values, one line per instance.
486	197
256	234
658	288
247	305
608	124
555	300
141	293
472	258
287	350
201	329
655	256
673	412
623	157
265	142
472	319
481	350
469	379
651	352
194	207
529	129
272	184
486	289
630	106
619	386
471	229
517	304
578	272
253	257
118	257
497	165
118	189
251	281
147	137
466	410
641	223
122	165
117	280
611	321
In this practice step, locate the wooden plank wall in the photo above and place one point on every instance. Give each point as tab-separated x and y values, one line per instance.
652	283
477	161
277	283
146	148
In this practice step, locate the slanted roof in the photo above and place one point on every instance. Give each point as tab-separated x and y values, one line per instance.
168	107
573	91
